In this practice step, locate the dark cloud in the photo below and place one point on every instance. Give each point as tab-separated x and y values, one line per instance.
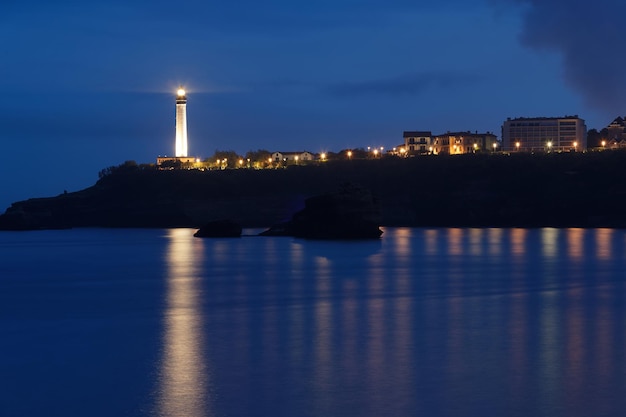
589	37
411	84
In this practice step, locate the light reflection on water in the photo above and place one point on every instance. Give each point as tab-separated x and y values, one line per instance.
437	322
184	374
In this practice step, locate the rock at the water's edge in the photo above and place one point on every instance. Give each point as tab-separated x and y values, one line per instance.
220	228
350	213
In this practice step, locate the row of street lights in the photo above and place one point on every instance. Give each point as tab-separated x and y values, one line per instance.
549	145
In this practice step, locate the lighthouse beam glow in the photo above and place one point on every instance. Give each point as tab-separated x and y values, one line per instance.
181	123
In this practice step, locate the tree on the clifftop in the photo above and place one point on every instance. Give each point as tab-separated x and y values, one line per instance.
231	159
595	138
260	156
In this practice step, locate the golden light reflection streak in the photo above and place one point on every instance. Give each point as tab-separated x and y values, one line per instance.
518	242
549	240
495	241
575	244
455	237
323	331
183	375
603	243
431	241
475	241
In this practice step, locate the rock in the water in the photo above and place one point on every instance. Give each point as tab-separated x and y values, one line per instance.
220	228
350	213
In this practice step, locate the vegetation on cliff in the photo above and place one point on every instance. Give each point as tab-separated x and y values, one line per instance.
567	189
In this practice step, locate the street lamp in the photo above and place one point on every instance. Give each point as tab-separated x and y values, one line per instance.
296	158
475	147
349	154
495	145
517	145
323	156
549	146
603	144
575	146
375	153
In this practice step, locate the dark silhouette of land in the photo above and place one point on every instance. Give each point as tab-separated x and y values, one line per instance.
518	190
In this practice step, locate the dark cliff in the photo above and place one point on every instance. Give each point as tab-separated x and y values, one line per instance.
562	190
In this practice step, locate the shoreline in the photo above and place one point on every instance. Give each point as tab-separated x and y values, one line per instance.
504	191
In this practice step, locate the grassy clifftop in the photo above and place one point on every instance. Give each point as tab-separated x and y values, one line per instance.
573	189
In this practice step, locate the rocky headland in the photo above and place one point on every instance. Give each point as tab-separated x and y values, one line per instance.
559	190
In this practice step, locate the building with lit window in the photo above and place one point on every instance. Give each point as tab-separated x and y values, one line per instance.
459	143
417	142
616	131
544	134
293	156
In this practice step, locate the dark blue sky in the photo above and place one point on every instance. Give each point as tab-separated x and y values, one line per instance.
91	84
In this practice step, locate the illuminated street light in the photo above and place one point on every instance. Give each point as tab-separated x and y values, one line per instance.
323	156
375	153
517	145
603	144
575	146
495	145
349	154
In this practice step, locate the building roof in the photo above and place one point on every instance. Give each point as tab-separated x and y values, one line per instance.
293	153
618	122
416	133
543	118
468	133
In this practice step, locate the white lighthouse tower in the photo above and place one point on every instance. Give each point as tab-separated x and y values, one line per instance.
181	123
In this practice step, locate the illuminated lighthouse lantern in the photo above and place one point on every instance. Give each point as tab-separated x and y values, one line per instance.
181	123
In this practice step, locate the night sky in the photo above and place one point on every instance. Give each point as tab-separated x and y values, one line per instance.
88	85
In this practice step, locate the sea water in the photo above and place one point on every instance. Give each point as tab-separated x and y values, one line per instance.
423	322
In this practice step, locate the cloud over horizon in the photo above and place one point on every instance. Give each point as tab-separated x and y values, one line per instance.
588	37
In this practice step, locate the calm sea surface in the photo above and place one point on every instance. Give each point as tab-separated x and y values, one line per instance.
424	322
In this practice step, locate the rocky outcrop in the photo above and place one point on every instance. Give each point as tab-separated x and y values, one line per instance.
350	213
552	190
220	228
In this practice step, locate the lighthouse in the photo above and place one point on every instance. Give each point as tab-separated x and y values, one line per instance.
181	123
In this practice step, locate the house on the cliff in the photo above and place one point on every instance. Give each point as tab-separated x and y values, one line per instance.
292	157
458	143
417	141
